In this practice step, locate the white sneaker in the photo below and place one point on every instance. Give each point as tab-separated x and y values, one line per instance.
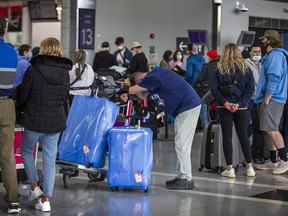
250	172
43	206
229	173
14	208
35	194
282	168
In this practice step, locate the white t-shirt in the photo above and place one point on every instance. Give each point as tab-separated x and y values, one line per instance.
86	80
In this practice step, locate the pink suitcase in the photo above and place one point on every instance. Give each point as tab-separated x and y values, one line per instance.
19	132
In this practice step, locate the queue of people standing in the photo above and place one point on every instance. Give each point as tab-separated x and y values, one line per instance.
41	88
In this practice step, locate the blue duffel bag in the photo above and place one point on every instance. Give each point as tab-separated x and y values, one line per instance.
130	158
84	141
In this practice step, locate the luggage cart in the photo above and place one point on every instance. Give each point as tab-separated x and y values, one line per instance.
72	170
79	162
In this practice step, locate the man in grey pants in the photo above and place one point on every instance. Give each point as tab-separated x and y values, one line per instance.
181	102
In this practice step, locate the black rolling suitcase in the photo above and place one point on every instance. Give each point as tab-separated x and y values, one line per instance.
212	155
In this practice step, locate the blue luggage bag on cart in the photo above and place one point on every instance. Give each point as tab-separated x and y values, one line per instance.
130	158
84	140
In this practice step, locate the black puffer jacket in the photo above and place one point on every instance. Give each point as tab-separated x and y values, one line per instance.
43	94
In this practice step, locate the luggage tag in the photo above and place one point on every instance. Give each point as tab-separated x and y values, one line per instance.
139	178
86	149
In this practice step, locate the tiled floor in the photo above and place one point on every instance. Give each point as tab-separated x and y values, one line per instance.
213	196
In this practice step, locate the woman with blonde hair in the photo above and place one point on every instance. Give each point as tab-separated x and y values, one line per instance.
81	75
43	97
233	87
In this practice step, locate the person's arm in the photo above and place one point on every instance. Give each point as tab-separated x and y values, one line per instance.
274	73
249	89
215	89
139	91
23	90
149	85
22	67
133	65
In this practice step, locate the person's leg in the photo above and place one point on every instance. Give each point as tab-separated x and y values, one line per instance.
28	152
7	126
49	148
185	126
258	137
273	113
241	121
270	122
226	121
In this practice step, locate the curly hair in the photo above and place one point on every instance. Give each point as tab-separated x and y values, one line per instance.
51	47
232	59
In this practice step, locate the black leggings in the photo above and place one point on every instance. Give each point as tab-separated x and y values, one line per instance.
241	122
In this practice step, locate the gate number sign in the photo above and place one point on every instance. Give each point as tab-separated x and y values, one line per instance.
86	29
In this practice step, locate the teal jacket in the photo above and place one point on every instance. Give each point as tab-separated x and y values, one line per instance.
273	76
194	68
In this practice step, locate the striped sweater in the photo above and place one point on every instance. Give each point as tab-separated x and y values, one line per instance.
8	65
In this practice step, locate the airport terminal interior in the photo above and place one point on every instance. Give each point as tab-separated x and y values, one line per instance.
192	27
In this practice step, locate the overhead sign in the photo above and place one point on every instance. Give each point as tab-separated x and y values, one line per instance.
182	44
86	28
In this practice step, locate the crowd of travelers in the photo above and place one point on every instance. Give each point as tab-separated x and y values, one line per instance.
251	91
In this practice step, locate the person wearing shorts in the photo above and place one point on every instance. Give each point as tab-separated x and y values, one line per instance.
271	94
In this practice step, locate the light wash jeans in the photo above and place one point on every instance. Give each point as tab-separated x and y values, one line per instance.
49	151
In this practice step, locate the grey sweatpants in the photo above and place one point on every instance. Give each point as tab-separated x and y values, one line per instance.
185	126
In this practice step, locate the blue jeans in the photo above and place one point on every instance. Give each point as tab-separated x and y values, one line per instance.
49	151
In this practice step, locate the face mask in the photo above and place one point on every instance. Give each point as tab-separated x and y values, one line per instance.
120	47
179	57
264	47
28	55
256	58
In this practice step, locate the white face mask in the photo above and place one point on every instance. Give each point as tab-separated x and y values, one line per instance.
256	58
120	47
179	57
29	55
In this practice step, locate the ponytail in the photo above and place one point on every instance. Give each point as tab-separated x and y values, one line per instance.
79	59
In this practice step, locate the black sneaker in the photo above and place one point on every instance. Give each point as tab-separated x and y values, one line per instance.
171	182
180	184
14	208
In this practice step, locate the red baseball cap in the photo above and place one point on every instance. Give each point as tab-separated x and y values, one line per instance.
213	54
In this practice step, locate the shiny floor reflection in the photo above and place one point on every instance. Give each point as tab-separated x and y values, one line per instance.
213	196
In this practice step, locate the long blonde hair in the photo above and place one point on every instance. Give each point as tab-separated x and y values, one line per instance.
51	47
232	59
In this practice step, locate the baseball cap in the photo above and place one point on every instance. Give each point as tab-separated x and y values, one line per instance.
136	45
105	45
213	54
271	35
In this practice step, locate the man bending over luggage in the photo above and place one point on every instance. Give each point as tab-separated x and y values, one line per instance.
181	102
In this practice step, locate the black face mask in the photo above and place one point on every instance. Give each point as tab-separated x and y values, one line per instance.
264	46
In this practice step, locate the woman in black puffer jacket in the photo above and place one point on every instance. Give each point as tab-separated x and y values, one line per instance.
43	97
